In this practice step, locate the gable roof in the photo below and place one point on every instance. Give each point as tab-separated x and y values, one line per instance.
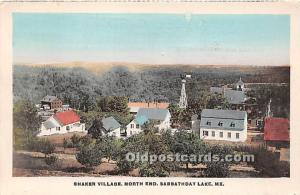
67	117
240	82
224	114
230	119
276	129
145	114
49	98
49	124
232	96
110	124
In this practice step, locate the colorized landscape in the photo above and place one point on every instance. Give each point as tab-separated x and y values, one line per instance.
151	95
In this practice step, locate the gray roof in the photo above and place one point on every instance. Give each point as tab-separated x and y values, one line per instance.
151	114
216	89
110	123
231	119
49	98
49	124
232	96
240	82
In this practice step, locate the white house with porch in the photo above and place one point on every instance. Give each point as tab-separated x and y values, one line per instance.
161	117
61	123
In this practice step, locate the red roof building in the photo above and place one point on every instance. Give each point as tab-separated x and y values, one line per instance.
276	129
67	117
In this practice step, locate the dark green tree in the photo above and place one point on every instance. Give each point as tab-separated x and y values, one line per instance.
96	130
26	122
89	155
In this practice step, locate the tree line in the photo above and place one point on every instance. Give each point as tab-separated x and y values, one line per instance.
80	88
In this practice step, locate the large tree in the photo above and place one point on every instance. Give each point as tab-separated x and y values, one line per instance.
26	122
96	130
186	143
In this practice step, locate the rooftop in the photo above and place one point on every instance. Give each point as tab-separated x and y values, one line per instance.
110	123
276	129
224	114
49	98
67	117
232	96
223	119
145	114
135	106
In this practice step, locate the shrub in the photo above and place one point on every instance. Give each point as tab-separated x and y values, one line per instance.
110	147
65	143
269	165
89	156
124	166
86	140
32	145
154	170
68	144
217	169
75	139
43	146
51	160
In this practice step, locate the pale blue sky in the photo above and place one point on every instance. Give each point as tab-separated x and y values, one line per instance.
152	38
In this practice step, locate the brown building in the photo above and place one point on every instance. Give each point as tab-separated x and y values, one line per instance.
277	136
51	102
135	106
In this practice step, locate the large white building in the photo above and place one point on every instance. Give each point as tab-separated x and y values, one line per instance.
228	125
62	122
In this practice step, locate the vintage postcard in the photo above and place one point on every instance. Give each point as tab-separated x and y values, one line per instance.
112	99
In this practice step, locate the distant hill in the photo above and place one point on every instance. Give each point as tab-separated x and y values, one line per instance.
79	83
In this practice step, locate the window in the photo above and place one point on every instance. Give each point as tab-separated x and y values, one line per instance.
221	134
232	124
205	133
213	133
68	128
229	135
57	128
220	124
137	126
237	135
131	126
208	123
259	123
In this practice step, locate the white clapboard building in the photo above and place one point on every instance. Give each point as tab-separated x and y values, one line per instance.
62	122
161	117
228	125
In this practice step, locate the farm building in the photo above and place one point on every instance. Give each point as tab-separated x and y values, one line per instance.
62	122
161	117
135	106
277	136
228	125
51	102
111	127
